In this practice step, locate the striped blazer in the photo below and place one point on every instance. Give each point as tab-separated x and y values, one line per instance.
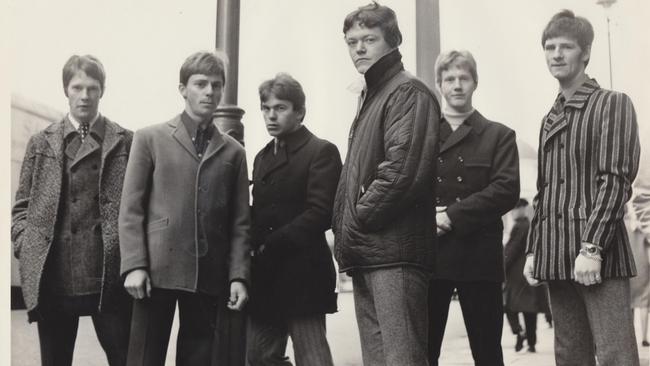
588	157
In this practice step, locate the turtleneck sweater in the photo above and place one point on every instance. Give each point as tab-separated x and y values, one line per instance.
454	117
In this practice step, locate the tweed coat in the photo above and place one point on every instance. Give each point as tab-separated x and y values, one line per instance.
588	158
293	193
36	209
167	190
477	178
384	210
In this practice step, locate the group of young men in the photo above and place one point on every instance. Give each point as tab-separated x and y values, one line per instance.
163	215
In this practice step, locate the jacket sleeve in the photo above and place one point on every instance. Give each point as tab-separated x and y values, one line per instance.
21	204
316	218
133	206
240	223
498	197
617	165
534	222
641	204
516	245
405	176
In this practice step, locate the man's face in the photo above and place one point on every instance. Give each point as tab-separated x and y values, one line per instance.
202	94
564	58
83	94
366	46
457	87
280	117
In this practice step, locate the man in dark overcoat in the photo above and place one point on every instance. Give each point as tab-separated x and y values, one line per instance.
519	296
64	222
477	183
184	223
294	182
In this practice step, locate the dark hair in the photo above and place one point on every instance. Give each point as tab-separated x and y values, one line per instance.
522	202
375	15
283	86
203	62
89	64
566	24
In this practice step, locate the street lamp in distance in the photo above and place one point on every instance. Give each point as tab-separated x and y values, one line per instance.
606	4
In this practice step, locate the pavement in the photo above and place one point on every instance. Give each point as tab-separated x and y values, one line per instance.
343	336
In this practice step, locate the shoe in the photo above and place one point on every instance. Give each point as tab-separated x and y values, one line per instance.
532	349
519	343
645	343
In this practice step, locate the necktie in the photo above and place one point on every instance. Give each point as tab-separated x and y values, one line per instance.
83	130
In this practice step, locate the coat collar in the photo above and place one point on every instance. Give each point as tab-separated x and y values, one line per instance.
383	70
293	142
475	123
180	134
112	136
556	119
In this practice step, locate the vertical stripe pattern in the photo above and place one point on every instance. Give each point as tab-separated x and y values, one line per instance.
588	157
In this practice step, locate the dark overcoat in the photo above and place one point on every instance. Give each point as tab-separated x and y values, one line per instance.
36	209
519	295
168	188
293	193
478	182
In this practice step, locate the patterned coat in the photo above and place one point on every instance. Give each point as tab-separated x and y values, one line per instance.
35	212
588	157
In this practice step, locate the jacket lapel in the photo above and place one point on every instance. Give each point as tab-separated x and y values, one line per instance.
179	133
216	143
281	159
554	123
475	122
87	147
54	137
113	135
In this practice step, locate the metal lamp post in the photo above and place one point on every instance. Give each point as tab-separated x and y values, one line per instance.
607	4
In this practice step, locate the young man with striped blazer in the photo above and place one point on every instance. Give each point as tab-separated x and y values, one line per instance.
588	158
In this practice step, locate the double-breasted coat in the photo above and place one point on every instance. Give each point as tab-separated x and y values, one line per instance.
36	209
293	194
168	188
478	182
588	158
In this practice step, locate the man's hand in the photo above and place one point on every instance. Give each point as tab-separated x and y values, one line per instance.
587	270
238	295
442	221
528	270
138	283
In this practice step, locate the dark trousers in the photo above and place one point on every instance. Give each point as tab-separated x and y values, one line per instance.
530	322
482	305
57	333
152	323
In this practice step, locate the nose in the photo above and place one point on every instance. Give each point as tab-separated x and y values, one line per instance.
271	114
360	48
557	54
209	89
84	93
457	84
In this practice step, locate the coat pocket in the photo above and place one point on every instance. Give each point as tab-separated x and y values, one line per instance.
158	224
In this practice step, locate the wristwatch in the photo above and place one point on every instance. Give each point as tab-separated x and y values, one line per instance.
591	249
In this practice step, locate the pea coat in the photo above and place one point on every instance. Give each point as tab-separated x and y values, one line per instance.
168	188
478	181
36	209
293	194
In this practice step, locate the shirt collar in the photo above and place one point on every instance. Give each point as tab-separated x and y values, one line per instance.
192	126
76	123
97	127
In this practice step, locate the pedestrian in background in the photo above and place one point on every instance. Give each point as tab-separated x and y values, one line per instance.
519	296
638	230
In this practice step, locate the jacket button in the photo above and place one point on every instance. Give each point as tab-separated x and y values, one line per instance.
457	199
543	217
460	158
73	230
94	166
459	179
263	182
439	179
440	160
270	228
438	200
545	184
561	145
547	148
74	200
559	216
561	180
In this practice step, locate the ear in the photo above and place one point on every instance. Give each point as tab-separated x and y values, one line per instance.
586	54
183	90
